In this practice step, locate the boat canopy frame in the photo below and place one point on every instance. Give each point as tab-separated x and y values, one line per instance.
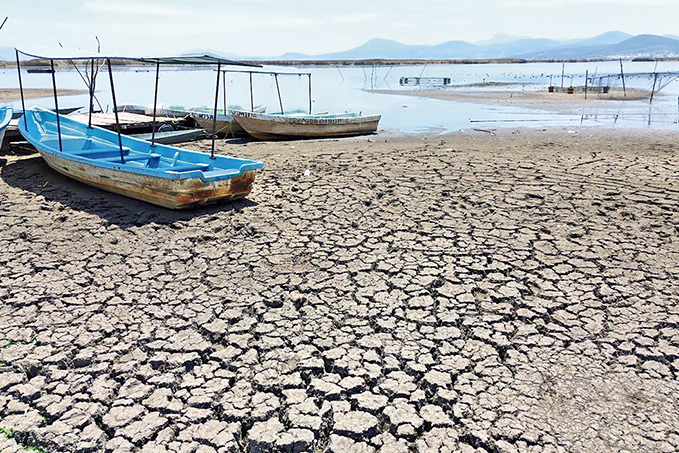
273	73
195	60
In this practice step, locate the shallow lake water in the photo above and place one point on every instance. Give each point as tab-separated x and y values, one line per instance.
339	89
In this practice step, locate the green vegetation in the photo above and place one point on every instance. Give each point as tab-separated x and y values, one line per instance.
10	342
8	433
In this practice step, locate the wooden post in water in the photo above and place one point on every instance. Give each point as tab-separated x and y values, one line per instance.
309	93
56	104
655	79
115	110
563	69
586	77
622	76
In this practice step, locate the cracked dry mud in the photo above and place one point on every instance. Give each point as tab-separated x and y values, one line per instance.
514	292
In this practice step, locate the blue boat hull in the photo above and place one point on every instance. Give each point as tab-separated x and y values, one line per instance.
168	176
5	118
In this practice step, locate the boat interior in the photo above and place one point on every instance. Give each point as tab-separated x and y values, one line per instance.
137	153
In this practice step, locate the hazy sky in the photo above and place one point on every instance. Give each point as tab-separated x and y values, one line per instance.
267	28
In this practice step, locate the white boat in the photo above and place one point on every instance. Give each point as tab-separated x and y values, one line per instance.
204	116
274	126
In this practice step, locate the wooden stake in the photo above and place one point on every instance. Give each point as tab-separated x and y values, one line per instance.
622	75
655	79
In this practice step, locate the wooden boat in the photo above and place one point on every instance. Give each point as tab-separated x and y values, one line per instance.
226	125
132	108
5	118
172	137
164	175
274	126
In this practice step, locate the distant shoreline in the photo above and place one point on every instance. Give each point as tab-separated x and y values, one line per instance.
360	62
418	62
14	94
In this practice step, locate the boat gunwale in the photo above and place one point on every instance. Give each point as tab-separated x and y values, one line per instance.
4	122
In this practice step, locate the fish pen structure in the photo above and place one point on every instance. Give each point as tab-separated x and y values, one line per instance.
424	81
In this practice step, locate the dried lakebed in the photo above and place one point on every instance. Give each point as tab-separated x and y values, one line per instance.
472	292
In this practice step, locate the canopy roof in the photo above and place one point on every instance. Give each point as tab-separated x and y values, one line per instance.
181	60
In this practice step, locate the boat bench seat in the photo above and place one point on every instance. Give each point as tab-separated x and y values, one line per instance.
186	167
136	157
102	152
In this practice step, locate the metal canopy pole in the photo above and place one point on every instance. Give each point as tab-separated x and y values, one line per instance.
309	93
21	88
56	104
280	101
155	103
214	118
224	86
252	101
89	121
115	110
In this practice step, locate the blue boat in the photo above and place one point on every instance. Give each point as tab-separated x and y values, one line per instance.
5	118
165	175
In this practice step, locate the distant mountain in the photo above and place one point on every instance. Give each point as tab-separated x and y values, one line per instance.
510	49
648	46
387	49
613	44
499	38
384	48
611	37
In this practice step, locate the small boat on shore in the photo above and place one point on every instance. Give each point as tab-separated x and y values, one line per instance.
168	176
5	118
173	137
204	116
276	126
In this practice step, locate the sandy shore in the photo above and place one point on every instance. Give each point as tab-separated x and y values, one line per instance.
512	291
527	97
13	94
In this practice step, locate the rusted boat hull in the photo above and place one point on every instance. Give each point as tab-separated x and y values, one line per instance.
169	193
276	127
